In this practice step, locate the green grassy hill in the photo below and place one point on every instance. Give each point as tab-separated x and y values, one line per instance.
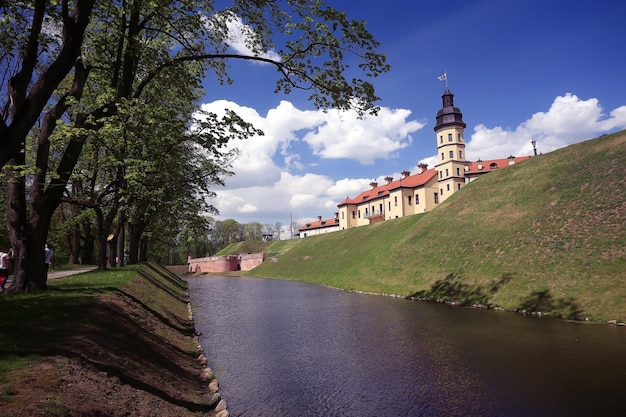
545	235
250	246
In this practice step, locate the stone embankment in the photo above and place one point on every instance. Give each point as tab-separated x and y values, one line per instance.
225	263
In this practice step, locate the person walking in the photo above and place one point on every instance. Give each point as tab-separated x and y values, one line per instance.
5	264
49	258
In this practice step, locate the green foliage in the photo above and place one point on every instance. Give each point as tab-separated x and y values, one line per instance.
552	223
121	133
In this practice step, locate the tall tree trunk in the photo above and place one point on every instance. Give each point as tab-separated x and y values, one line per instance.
105	224
27	241
143	249
88	243
28	226
135	232
101	237
121	241
112	245
75	257
74	235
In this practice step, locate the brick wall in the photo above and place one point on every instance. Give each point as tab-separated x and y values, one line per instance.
243	262
250	260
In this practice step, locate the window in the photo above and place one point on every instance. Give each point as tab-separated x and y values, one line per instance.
447	187
436	198
460	137
458	186
441	191
447	172
458	171
353	214
409	199
442	158
366	212
441	139
359	213
440	174
395	201
381	208
451	154
449	137
343	215
389	205
460	154
417	199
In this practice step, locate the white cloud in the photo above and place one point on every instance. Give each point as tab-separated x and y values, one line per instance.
270	181
344	135
347	187
241	38
569	120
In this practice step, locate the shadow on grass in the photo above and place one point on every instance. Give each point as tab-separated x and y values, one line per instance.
131	333
544	302
453	288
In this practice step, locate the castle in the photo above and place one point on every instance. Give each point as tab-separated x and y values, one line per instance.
419	192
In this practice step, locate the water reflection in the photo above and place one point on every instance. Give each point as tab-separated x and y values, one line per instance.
285	348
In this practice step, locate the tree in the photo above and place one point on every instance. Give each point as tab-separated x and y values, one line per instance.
295	229
277	228
128	46
253	231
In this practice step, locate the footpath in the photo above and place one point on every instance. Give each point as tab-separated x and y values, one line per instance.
67	272
60	274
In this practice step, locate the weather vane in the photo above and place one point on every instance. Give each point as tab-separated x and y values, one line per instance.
444	77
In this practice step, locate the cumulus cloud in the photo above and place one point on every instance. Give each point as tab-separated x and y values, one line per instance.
241	37
569	120
270	172
344	135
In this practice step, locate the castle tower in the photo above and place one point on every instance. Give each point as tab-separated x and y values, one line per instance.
450	147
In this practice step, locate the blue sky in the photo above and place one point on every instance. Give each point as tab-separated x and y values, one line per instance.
548	70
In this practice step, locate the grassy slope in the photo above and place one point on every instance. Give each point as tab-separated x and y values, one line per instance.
100	342
548	234
251	246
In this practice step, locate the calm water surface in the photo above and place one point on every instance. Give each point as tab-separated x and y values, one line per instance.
286	348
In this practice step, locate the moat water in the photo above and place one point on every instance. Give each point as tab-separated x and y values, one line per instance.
286	348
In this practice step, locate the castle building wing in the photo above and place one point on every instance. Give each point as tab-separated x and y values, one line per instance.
416	193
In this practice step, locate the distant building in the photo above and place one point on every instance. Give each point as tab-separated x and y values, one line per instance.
320	226
420	192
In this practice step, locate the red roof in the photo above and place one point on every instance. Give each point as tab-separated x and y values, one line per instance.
412	181
319	224
491	164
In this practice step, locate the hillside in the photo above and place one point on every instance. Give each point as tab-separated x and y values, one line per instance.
546	235
249	246
105	343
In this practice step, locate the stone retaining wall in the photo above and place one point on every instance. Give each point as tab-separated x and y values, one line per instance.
250	261
226	263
